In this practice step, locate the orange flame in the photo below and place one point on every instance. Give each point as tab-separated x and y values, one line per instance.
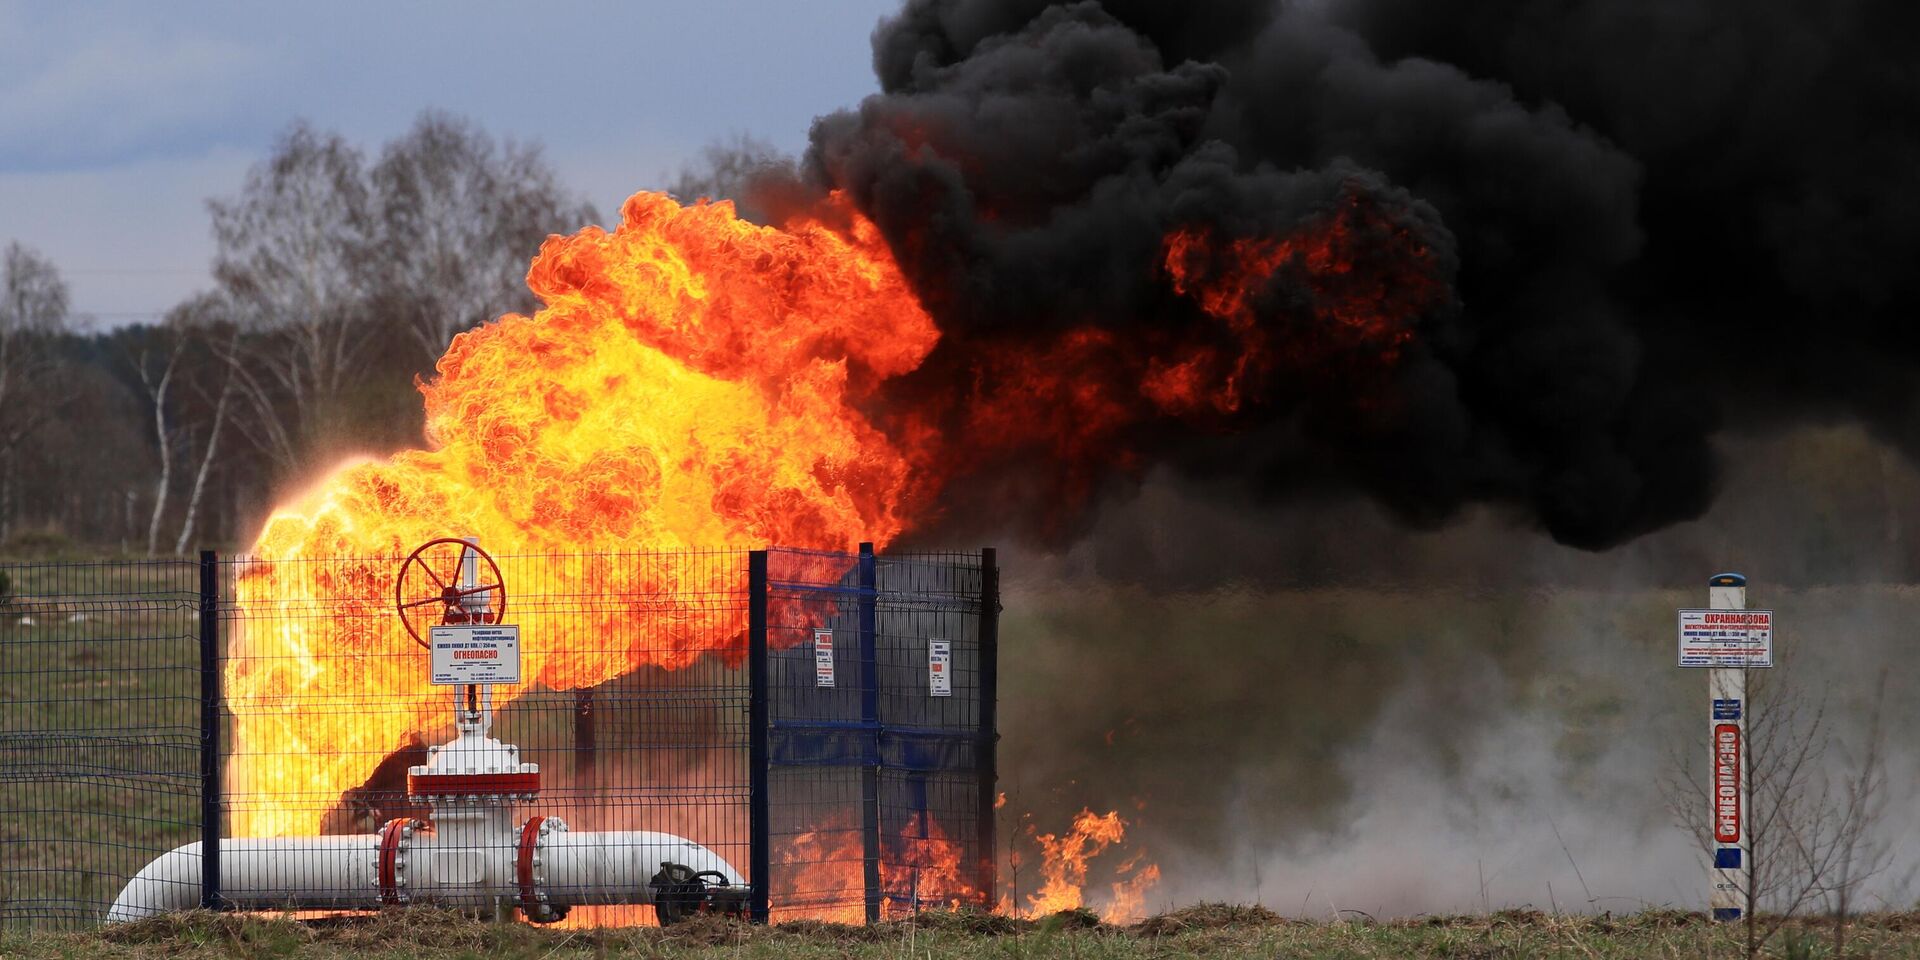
697	381
1361	299
820	873
689	383
1130	891
1063	865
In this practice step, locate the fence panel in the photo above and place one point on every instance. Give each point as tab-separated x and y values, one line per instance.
279	707
880	734
100	732
927	620
633	703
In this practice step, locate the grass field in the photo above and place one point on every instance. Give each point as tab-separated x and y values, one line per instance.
98	736
1202	931
99	730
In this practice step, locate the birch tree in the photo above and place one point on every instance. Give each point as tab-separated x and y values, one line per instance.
330	267
209	452
460	217
295	261
154	355
33	312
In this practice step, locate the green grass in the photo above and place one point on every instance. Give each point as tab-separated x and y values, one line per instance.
1202	931
122	679
99	729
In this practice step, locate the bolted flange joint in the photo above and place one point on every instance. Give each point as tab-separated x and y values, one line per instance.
529	872
390	863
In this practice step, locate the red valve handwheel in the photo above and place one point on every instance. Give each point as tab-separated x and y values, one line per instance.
431	575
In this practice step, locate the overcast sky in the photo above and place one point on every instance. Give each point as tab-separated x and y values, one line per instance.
119	119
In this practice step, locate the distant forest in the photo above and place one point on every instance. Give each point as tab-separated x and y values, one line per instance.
339	277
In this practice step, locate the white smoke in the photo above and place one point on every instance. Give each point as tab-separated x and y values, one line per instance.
1488	727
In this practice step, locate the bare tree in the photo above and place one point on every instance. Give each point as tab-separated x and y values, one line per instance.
33	312
1838	843
153	354
295	258
210	449
330	267
177	372
460	216
1815	808
741	168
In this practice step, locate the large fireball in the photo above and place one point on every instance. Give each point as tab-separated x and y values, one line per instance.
689	384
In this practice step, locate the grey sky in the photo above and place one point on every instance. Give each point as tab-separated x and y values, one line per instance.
119	119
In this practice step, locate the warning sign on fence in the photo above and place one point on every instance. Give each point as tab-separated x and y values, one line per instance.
940	668
476	654
822	657
1726	638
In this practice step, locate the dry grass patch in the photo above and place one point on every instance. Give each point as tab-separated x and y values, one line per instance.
1208	931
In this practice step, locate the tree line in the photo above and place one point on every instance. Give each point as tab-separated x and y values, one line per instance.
338	279
340	276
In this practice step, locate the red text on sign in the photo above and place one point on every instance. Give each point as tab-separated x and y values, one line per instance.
1726	782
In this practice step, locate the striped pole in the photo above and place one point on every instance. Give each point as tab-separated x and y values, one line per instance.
1731	793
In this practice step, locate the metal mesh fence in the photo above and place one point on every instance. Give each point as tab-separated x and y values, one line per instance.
630	720
881	791
670	710
100	732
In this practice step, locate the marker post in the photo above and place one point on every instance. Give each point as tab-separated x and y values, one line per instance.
1732	793
1727	640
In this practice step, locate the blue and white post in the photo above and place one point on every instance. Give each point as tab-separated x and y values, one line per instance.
1731	793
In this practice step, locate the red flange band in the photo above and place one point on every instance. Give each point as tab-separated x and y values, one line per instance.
453	784
523	866
387	872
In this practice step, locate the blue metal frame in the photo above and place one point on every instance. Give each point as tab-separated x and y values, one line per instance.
210	819
759	818
912	763
989	711
870	741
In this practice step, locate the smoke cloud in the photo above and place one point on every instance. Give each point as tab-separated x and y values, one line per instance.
1639	216
1310	647
1314	706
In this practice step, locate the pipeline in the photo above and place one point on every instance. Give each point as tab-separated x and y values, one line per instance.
470	854
541	876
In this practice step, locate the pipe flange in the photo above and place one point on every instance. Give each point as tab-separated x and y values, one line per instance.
527	872
390	868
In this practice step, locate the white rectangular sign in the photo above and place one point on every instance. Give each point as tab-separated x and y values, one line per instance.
476	654
822	657
1726	638
939	668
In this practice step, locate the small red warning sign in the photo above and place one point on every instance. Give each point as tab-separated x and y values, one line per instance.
1726	782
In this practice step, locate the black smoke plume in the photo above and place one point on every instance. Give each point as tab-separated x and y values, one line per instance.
1667	230
1654	220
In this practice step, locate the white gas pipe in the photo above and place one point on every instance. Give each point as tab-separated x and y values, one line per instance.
470	854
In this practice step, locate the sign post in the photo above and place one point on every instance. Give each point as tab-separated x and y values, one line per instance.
1728	639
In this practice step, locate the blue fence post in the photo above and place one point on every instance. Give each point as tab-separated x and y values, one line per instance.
988	744
870	722
759	828
210	825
